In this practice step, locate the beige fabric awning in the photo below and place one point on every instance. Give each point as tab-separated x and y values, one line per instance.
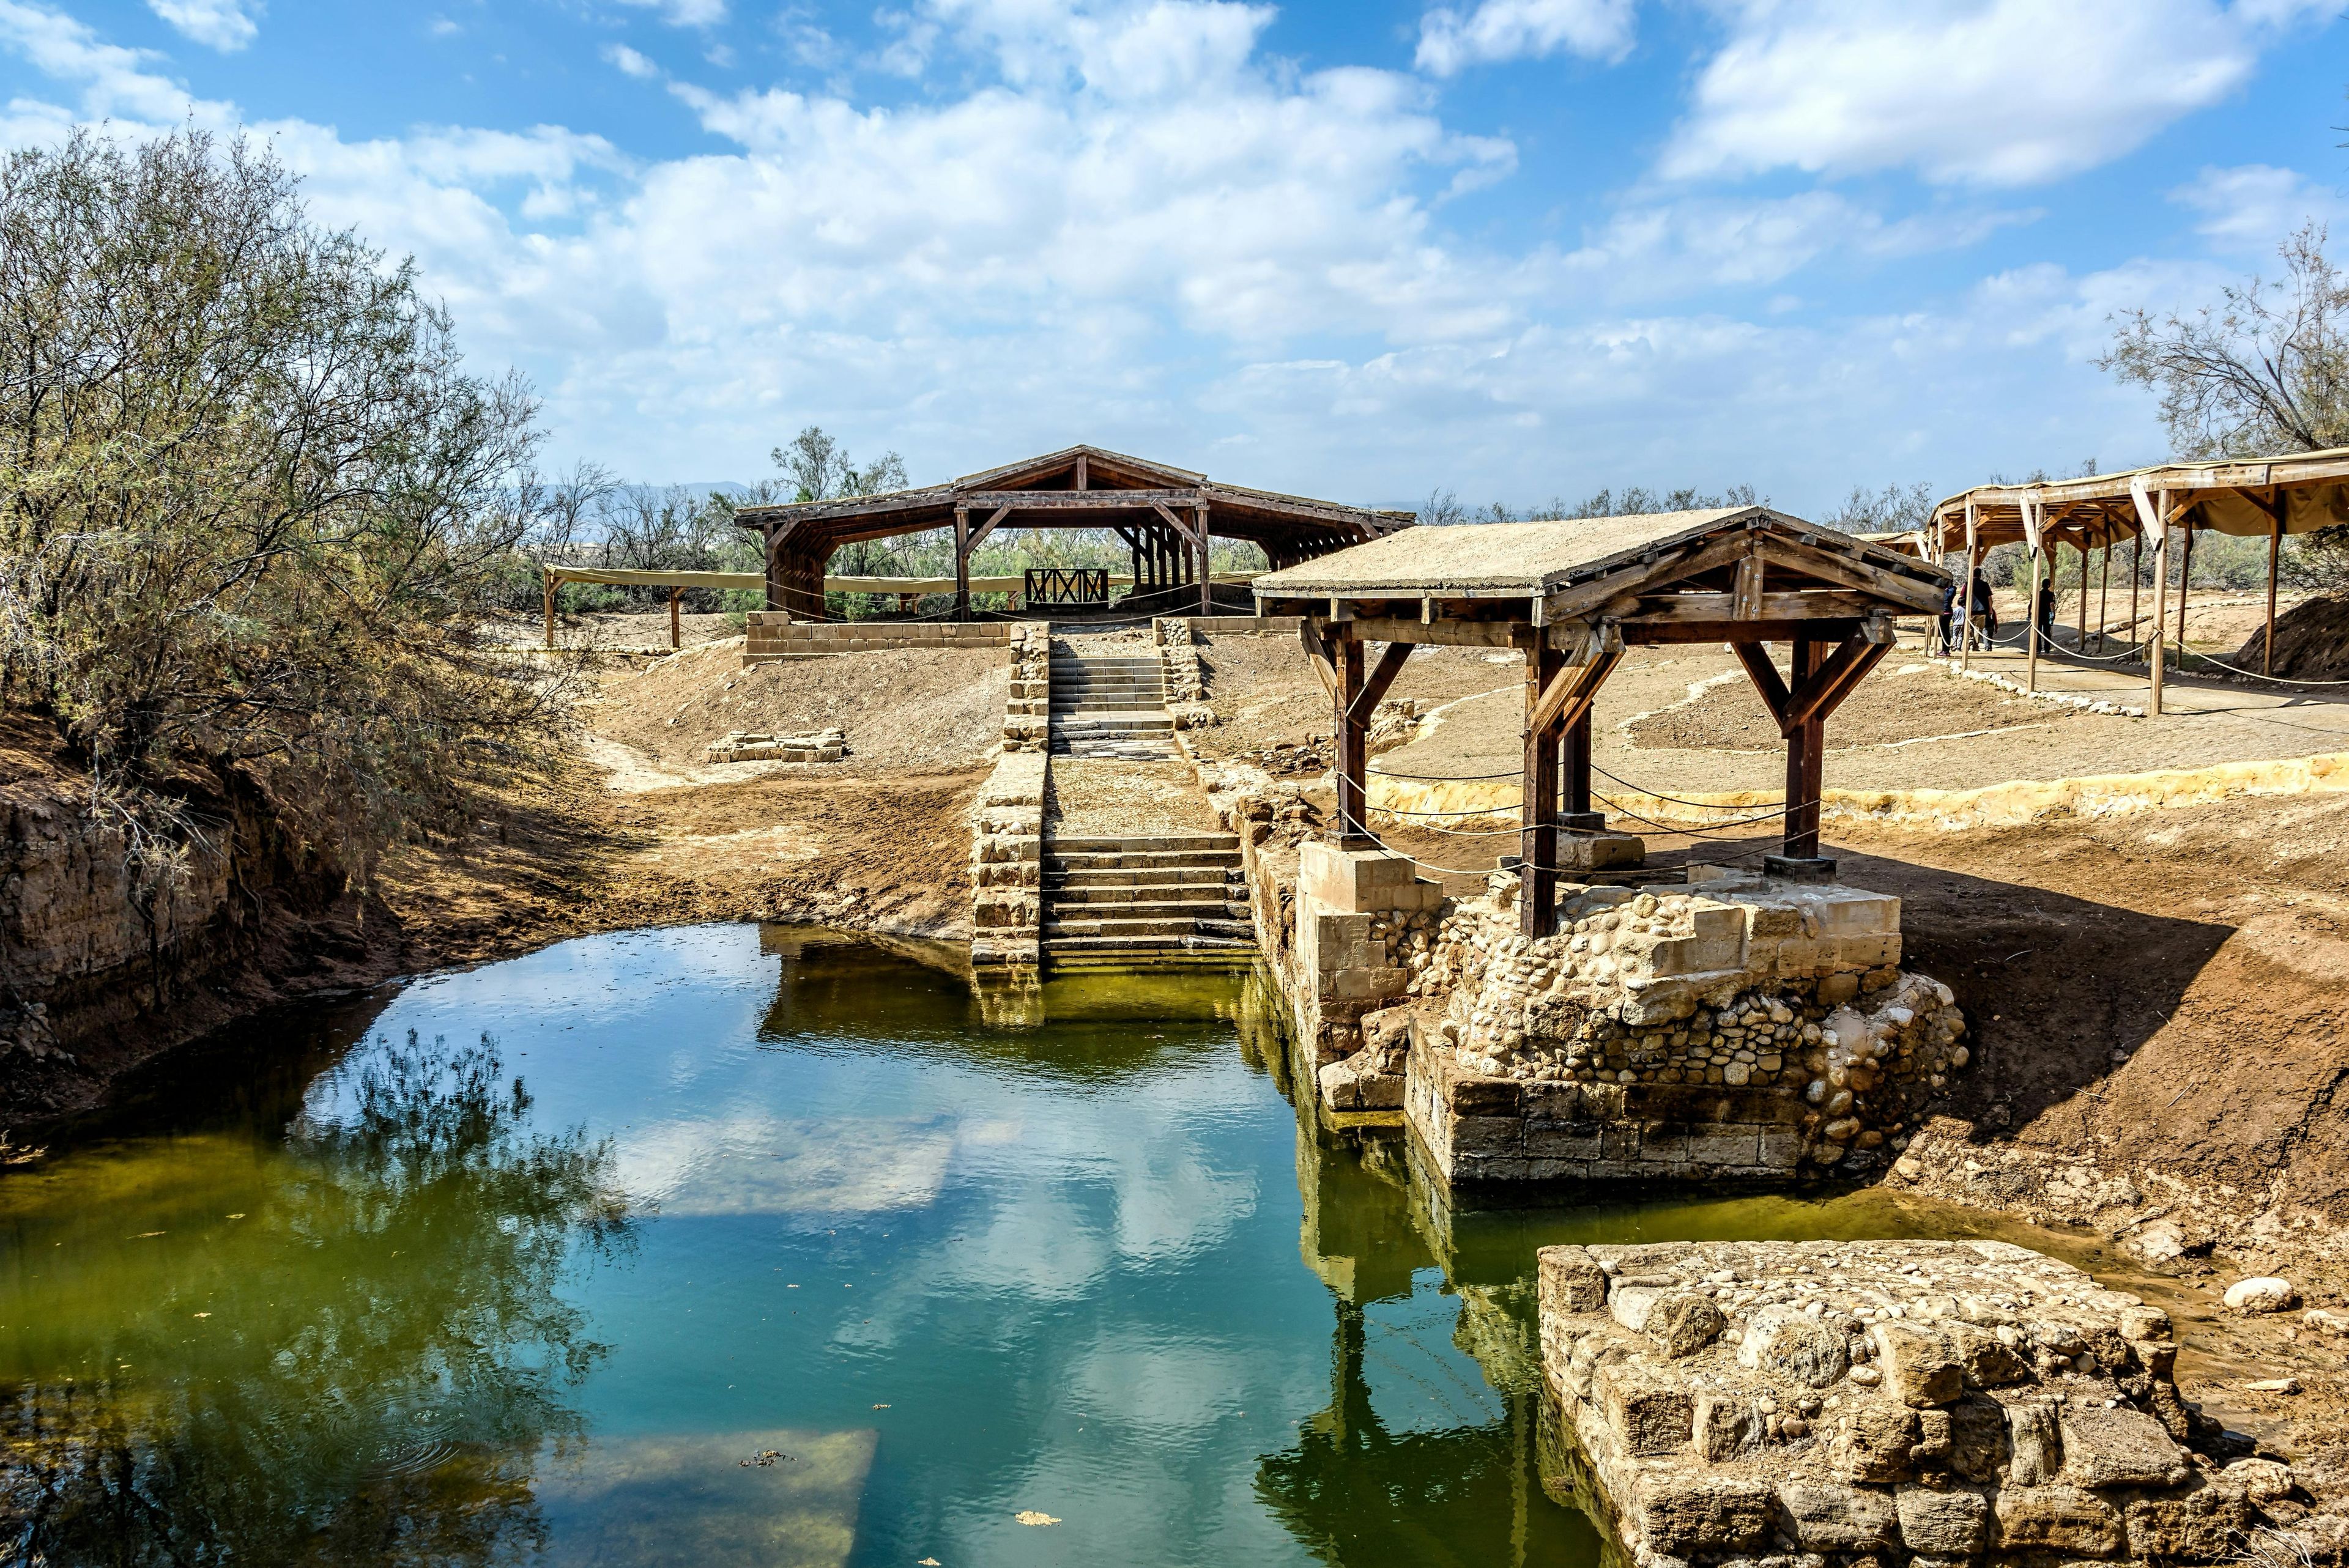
2303	491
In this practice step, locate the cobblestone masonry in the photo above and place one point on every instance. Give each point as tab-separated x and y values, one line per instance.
1183	682
1742	1027
1006	855
1864	1404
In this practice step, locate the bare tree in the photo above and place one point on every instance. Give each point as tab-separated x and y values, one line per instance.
1887	510
2264	370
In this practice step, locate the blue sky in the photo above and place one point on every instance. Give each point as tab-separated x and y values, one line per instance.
1516	248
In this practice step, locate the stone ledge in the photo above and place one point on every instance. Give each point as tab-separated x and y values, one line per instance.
1858	1402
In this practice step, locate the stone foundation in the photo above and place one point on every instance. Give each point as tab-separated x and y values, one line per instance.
1747	1028
1858	1404
754	745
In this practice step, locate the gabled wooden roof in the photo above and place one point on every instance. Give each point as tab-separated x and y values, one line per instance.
1115	479
1582	565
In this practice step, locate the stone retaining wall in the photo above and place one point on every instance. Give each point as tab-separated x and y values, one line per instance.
1858	1404
1006	855
1028	711
773	635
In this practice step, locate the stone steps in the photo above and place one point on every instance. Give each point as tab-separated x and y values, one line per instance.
1144	901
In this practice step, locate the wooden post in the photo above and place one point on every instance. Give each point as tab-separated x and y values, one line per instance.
1973	616
2275	550
2185	586
1207	567
962	563
674	595
2137	576
2104	592
1806	759
1575	792
2031	613
1537	814
2160	598
548	581
1353	739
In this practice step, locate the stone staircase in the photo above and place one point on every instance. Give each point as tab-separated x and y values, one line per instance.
1159	899
1110	705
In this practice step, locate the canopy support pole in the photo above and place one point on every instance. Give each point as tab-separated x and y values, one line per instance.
1806	758
2160	599
2275	550
1974	615
962	563
2031	609
547	580
2185	586
2103	593
1537	791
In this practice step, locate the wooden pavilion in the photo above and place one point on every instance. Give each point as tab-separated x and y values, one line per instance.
1165	516
2262	498
1572	596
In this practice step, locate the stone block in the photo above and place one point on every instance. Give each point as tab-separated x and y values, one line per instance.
1781	1340
1572	1280
2062	1519
1581	1141
1487	1135
1978	1442
1683	1323
1691	1513
1601	852
1874	1447
2205	1526
1351	881
1918	1368
1727	1427
1943	1524
2035	1442
1984	1359
2121	1446
1822	1516
1629	1305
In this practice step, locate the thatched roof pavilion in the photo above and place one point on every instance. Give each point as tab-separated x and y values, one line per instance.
1164	515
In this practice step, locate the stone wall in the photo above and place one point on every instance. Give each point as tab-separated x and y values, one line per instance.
1028	711
1361	914
1857	1404
1741	1028
1006	855
773	635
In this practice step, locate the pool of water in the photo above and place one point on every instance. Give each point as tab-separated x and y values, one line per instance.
742	1244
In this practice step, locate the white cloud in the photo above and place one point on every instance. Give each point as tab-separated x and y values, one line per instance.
631	63
685	13
2253	207
224	25
1983	92
1496	30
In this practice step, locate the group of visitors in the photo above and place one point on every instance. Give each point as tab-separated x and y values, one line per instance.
1976	617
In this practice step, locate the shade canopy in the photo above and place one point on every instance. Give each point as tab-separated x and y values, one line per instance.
1164	515
2257	498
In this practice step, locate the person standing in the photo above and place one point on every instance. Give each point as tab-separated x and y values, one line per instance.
1983	620
2043	612
1942	621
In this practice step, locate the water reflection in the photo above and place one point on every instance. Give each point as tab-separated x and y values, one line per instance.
262	1374
939	1256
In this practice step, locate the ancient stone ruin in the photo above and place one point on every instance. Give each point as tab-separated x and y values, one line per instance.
1742	1027
1845	1404
758	745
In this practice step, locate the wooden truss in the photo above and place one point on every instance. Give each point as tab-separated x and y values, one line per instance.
1756	578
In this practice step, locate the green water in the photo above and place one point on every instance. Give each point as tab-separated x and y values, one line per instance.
523	1264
